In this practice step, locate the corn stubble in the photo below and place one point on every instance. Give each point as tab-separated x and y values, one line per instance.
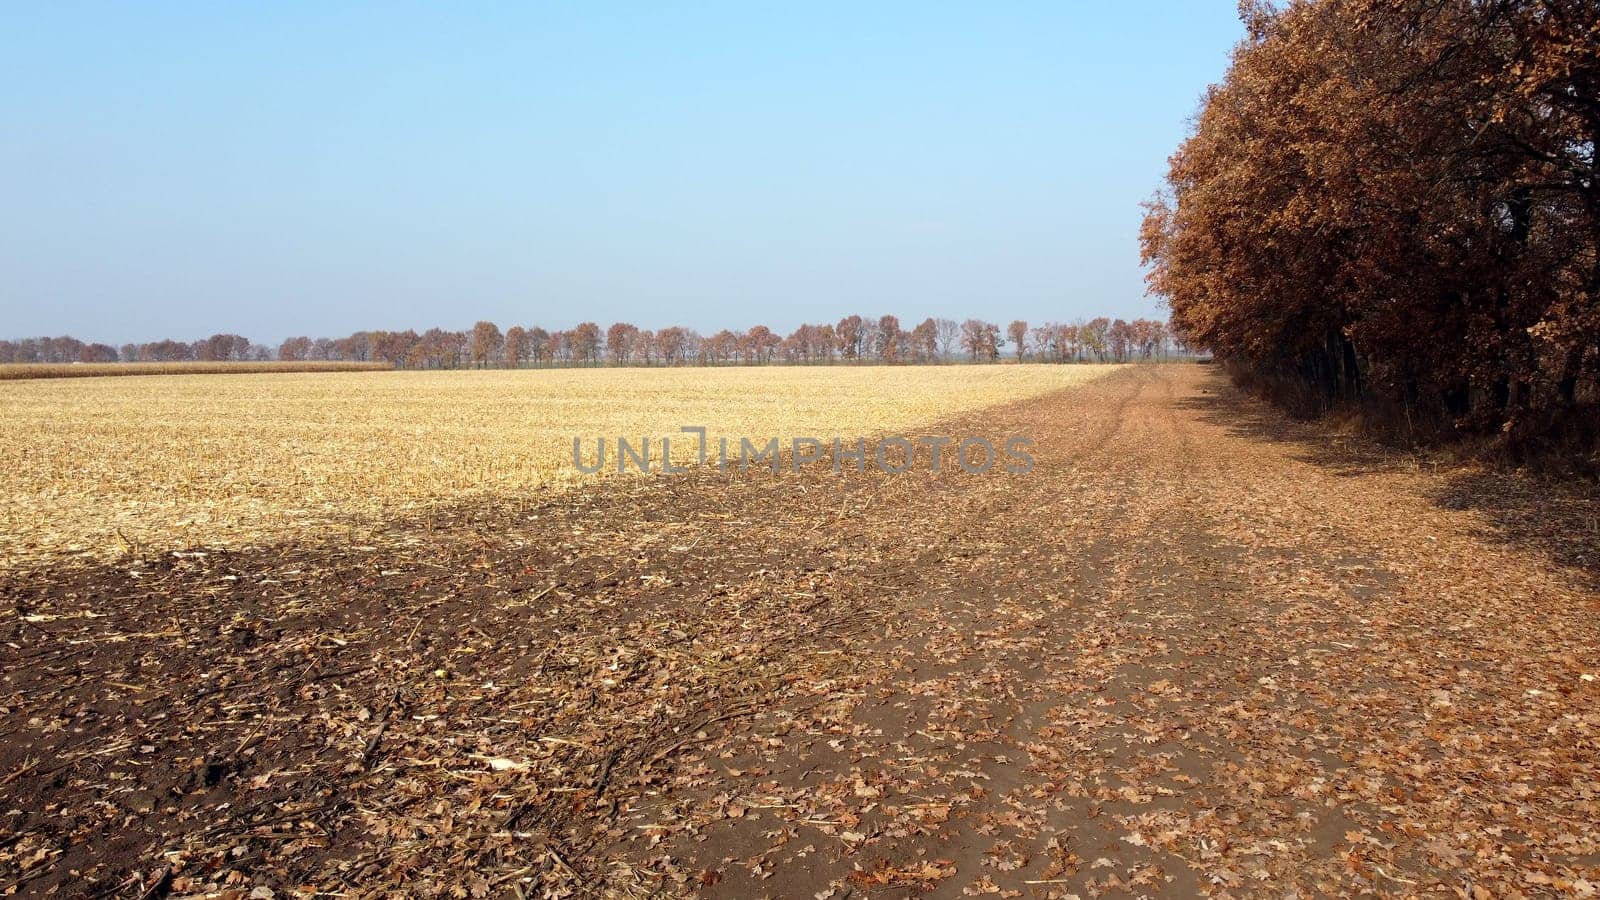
105	466
28	371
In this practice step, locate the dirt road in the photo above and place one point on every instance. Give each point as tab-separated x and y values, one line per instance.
1197	650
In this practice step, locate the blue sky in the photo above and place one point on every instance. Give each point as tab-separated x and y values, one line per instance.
277	169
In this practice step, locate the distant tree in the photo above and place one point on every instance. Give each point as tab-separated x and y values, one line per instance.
949	336
923	341
539	345
168	351
585	343
888	339
1119	339
487	343
621	339
1018	332
763	343
393	347
417	358
516	346
353	348
869	338
1056	342
851	334
222	348
437	349
1157	338
796	347
721	347
295	349
981	339
827	343
98	353
693	346
624	343
672	345
1094	337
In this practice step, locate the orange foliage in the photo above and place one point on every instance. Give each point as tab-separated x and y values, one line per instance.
1398	201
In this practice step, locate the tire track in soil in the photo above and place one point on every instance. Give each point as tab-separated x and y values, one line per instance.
988	635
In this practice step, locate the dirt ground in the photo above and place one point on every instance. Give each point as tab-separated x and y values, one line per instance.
1198	650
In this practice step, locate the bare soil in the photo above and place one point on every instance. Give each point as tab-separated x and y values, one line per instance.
1198	650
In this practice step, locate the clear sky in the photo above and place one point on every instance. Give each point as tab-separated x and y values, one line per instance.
284	168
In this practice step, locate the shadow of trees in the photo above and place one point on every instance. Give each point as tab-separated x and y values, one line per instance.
1556	518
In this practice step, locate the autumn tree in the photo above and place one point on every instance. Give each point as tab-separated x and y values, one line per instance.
981	339
924	340
868	337
538	345
1094	337
827	342
483	346
851	334
804	344
722	346
295	349
393	347
761	344
1119	340
487	343
1395	202
621	339
221	348
433	348
516	346
672	345
97	353
167	351
1018	332
888	339
1056	342
585	340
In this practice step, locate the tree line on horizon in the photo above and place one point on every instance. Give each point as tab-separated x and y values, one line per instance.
1394	206
853	339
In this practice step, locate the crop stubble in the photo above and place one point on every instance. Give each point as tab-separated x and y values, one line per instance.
101	466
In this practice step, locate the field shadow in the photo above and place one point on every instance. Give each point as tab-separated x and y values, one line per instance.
1556	519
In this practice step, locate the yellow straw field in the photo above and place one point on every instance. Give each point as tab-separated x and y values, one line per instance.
98	465
24	371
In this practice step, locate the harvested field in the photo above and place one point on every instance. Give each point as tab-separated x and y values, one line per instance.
29	371
1199	650
161	463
